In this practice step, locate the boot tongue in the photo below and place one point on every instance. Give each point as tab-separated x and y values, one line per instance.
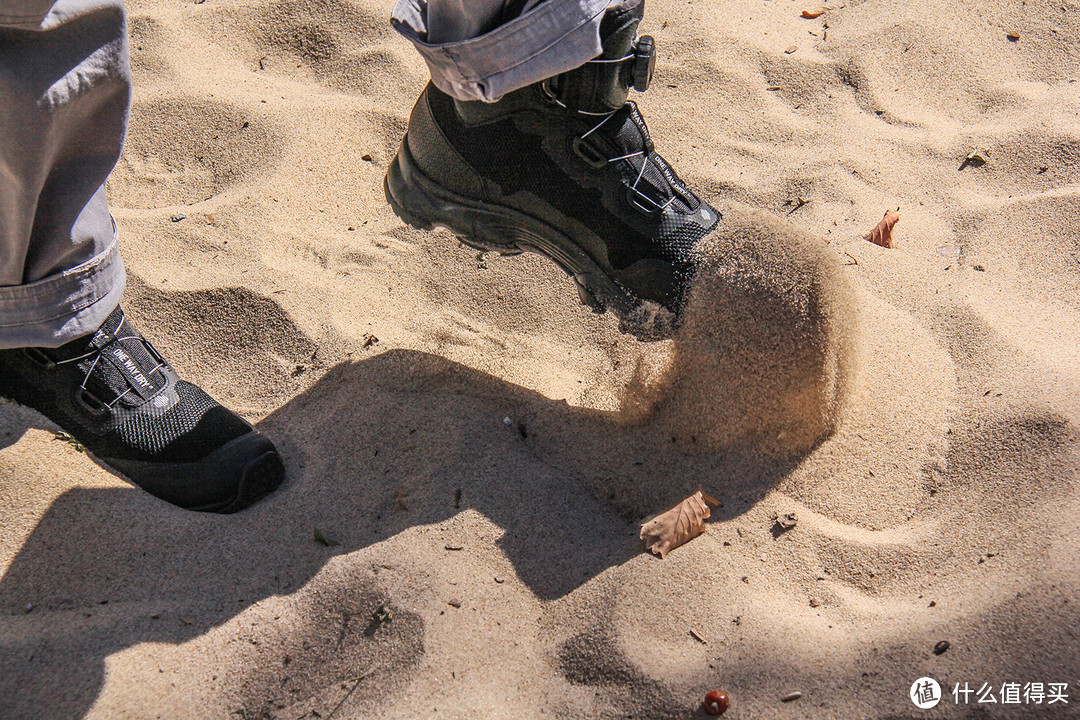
122	366
657	182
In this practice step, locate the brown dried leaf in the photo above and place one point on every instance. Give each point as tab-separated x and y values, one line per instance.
786	520
815	12
680	524
882	234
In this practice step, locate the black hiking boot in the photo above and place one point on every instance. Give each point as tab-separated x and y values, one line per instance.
114	394
564	168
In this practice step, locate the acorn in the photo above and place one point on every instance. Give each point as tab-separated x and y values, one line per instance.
716	702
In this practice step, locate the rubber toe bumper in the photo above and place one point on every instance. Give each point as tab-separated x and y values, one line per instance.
227	480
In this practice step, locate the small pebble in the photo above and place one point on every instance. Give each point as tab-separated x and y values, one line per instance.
941	646
814	602
178	217
454	602
791	696
29	607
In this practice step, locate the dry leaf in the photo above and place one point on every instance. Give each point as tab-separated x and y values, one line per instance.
786	520
680	524
882	234
816	12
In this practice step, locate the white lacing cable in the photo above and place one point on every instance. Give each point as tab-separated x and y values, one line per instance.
624	58
644	163
605	116
97	354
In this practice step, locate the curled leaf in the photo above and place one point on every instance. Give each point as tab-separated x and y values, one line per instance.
814	12
975	158
882	233
786	520
680	524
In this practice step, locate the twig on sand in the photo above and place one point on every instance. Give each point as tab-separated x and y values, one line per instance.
353	689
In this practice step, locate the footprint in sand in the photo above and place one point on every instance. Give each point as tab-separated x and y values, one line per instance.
181	151
342	46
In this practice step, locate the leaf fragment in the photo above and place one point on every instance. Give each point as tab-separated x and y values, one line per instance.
882	232
786	520
69	439
323	540
812	13
680	524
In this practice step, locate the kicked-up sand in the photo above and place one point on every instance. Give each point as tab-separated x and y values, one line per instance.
480	449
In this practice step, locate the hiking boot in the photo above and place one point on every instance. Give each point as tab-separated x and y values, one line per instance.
115	394
565	168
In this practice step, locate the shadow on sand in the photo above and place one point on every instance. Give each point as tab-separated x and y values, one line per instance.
375	447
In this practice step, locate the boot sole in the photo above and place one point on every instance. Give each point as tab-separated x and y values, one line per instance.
424	204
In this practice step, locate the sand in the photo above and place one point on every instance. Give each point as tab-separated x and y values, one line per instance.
482	448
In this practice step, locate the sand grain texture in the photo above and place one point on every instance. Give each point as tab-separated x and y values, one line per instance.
482	448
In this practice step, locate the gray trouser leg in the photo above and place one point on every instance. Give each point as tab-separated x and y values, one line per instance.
457	20
65	87
548	37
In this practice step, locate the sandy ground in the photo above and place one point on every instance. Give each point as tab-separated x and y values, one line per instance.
482	448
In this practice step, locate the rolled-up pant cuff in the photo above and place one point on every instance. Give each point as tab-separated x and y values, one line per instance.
62	307
552	38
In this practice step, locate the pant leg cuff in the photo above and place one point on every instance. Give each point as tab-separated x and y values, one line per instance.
60	308
552	38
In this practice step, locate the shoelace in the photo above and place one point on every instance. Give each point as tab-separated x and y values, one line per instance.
96	354
640	196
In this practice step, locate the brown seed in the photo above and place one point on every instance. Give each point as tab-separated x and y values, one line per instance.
716	702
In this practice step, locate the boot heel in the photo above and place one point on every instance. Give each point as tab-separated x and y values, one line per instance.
420	203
